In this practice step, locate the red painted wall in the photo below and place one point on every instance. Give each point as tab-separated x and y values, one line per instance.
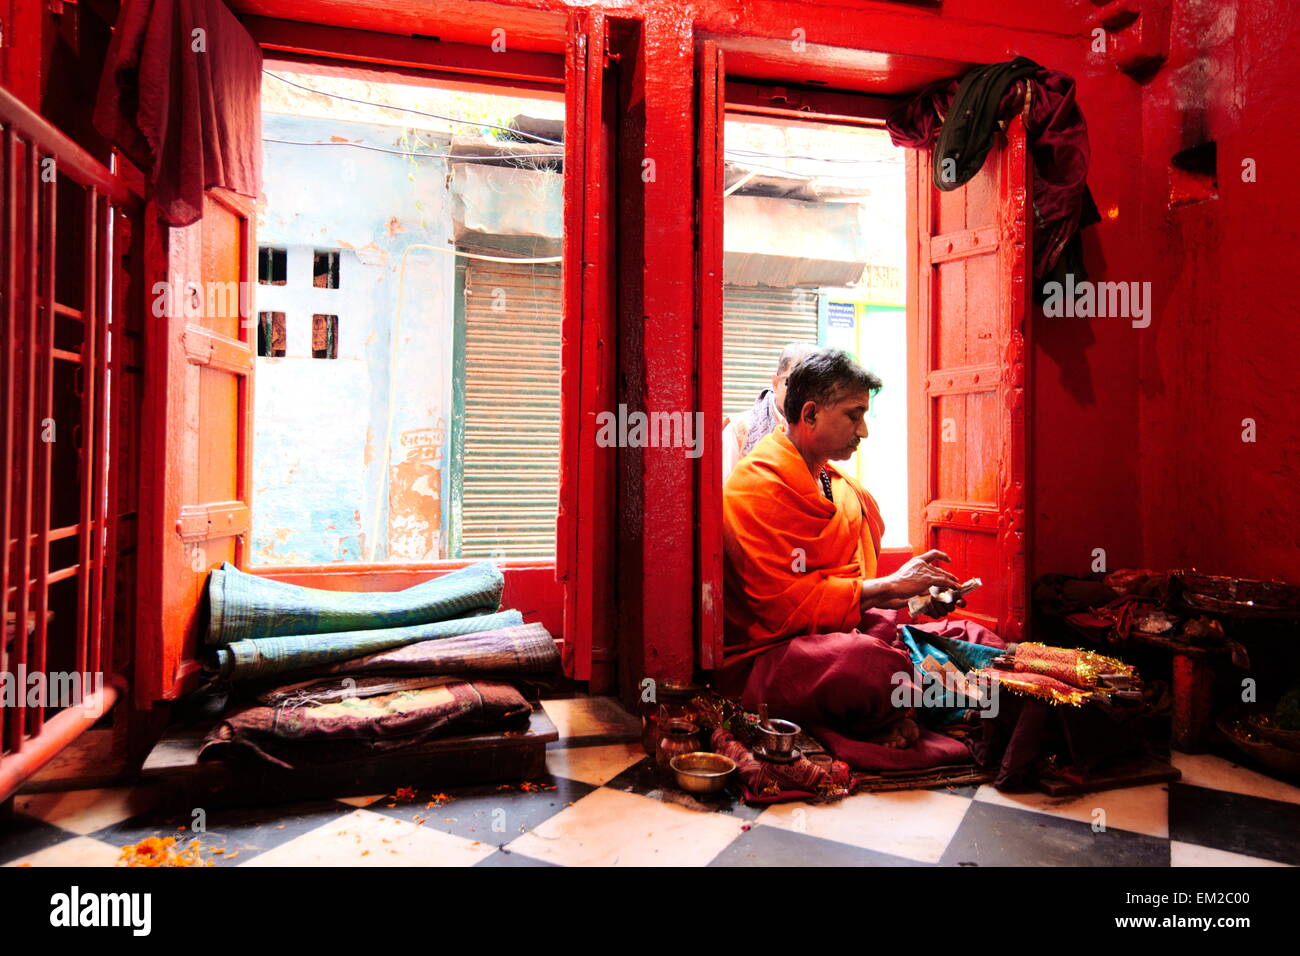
1228	328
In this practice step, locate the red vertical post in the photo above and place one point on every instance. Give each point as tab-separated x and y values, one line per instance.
8	369
116	360
101	458
708	539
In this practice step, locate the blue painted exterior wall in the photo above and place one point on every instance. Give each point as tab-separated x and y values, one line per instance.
320	474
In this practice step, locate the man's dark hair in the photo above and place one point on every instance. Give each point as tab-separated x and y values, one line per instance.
824	377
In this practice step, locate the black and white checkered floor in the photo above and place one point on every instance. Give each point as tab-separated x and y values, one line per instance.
606	808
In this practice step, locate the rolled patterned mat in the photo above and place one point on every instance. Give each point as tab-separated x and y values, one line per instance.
264	657
250	607
526	649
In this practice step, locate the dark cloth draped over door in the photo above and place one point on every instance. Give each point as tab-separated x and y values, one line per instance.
180	96
959	117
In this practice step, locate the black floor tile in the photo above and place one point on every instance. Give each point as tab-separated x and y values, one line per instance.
1235	822
492	813
991	835
241	833
776	846
960	790
506	858
643	778
26	835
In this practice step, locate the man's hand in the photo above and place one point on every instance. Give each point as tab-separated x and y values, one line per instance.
917	576
921	573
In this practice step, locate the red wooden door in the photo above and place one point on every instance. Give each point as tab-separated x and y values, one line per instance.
970	364
194	509
584	560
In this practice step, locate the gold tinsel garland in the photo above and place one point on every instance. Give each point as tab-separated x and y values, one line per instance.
1081	670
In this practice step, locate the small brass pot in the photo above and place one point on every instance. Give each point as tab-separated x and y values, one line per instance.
675	737
702	772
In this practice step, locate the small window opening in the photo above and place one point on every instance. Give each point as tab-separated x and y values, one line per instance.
1193	175
325	270
270	334
272	266
324	336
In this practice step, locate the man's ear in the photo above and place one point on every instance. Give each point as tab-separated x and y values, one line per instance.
808	414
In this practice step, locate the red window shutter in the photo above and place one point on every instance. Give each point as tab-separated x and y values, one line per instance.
197	457
584	546
711	127
970	366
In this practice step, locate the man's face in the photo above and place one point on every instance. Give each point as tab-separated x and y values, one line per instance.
778	390
838	427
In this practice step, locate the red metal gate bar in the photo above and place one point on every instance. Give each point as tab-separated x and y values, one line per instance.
89	344
62	730
24	473
43	344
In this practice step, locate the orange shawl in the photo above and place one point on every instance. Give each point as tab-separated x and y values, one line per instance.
794	562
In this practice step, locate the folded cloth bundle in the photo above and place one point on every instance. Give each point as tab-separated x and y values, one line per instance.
243	660
320	725
248	606
762	781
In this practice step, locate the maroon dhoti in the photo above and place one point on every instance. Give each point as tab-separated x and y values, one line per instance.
839	686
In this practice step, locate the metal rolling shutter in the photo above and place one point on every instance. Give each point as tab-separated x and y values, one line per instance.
510	489
757	323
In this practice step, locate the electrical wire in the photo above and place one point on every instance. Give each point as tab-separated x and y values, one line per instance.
556	142
405	109
407	152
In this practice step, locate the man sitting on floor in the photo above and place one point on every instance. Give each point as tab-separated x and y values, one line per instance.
810	628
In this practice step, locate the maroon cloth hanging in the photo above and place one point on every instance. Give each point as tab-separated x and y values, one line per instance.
180	96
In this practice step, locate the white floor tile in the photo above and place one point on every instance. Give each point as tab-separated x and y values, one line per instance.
590	717
361	801
1189	854
363	838
1135	809
916	824
613	828
593	765
1215	773
78	851
85	811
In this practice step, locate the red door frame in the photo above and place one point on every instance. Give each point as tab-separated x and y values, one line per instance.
580	605
573	596
721	96
531	585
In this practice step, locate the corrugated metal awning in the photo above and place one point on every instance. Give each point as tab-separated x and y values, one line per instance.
757	323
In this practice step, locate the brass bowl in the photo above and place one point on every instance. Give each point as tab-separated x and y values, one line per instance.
702	772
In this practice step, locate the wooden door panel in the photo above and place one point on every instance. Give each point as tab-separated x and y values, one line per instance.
194	510
969	374
584	541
